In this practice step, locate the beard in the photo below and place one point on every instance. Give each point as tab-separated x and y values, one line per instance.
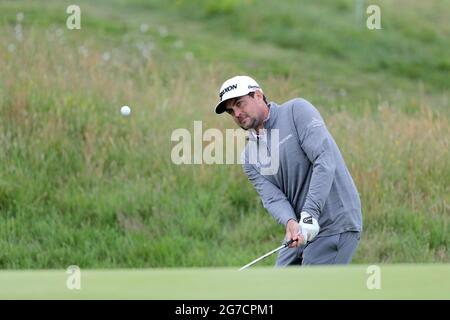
249	123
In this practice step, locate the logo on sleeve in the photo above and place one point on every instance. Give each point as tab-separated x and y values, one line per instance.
316	123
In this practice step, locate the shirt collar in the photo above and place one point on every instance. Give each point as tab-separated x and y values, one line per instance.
268	123
273	111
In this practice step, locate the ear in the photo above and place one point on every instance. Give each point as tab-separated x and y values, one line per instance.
259	94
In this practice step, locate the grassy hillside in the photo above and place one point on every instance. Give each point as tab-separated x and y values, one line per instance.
80	184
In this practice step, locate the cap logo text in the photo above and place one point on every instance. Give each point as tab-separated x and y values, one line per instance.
234	86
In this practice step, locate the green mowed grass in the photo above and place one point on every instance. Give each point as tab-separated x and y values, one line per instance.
328	282
80	184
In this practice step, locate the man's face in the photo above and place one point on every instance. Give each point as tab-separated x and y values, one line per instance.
247	111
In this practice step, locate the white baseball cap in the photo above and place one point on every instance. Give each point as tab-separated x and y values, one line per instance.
237	86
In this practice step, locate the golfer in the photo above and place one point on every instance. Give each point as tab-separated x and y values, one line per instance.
309	189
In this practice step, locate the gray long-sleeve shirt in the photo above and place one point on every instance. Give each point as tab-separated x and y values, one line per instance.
296	166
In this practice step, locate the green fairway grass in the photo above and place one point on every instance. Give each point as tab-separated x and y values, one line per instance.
341	282
81	184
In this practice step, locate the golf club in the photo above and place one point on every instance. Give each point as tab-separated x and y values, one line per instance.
284	245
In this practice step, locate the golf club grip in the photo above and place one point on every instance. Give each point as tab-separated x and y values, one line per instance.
287	243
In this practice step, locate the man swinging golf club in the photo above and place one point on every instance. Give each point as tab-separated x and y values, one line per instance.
309	189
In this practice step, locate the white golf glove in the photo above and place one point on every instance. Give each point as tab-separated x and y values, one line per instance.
309	227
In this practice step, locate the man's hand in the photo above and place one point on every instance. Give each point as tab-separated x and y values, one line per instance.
293	232
309	227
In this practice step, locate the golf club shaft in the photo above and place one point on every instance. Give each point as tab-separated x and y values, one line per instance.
267	254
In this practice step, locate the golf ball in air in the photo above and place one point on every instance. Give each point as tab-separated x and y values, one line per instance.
125	110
